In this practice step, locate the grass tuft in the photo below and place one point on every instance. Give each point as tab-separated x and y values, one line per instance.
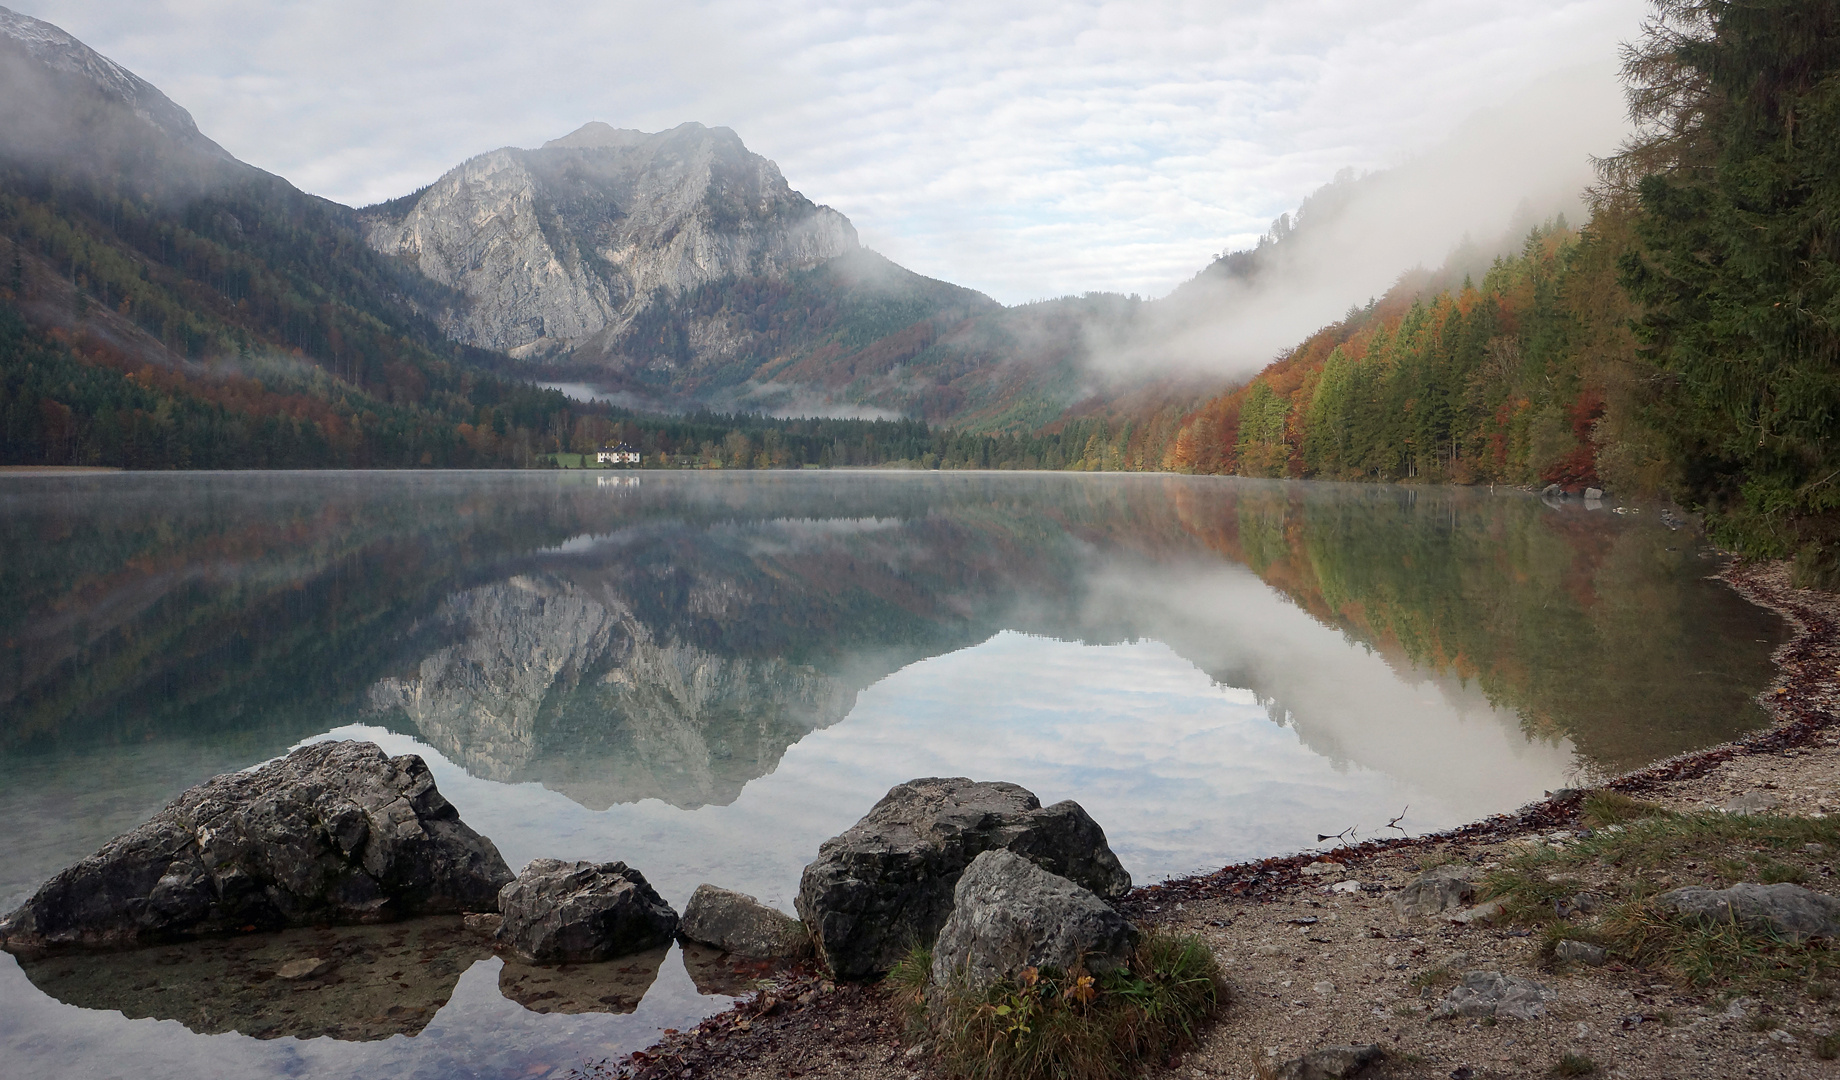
1076	1026
1571	1064
1827	1048
1660	850
1604	807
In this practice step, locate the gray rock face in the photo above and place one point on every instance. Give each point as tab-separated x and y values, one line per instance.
1437	890
557	246
575	912
1009	914
1490	993
888	881
740	924
1332	1063
1789	910
335	832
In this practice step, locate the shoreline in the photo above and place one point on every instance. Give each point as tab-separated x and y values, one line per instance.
804	1025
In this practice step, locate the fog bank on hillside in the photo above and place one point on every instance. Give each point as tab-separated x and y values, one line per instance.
1501	172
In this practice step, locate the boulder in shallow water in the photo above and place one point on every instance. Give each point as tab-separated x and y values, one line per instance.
334	833
740	924
1009	914
578	912
886	883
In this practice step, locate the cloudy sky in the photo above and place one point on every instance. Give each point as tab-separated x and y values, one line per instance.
1029	149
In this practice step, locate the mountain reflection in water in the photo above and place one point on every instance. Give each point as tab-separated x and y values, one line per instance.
706	675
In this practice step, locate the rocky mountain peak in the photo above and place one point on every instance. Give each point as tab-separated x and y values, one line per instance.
566	245
595	135
51	47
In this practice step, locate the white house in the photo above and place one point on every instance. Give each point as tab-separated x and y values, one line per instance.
617	455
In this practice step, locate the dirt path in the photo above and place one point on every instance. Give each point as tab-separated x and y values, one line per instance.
1311	966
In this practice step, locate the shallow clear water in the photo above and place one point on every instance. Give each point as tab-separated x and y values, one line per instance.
706	675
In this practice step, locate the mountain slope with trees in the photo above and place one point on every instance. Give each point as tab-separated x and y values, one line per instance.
1681	343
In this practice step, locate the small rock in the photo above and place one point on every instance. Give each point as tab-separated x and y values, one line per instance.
307	967
1784	1037
1490	993
1437	890
480	922
575	912
1552	491
1591	493
1755	802
1332	1063
1009	914
1346	887
1790	910
1322	867
742	925
1488	912
1581	952
1323	987
1814	849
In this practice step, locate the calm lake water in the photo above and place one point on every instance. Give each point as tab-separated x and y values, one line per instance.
706	675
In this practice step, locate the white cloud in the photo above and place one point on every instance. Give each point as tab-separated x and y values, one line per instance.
1025	147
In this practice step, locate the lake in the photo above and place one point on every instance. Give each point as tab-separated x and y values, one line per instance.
707	674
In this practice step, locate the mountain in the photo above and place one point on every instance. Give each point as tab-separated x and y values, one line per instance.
677	267
168	305
561	248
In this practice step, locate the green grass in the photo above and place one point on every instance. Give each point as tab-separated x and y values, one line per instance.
1571	1064
1052	1025
1827	1048
1640	851
1604	807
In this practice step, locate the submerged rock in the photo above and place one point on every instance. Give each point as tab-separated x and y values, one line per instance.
1789	910
615	986
1009	914
740	924
887	882
354	983
334	833
571	912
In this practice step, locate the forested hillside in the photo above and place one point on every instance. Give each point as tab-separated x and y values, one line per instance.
1683	342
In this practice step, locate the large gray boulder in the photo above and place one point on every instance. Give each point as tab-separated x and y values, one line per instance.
886	884
1791	911
336	832
1437	890
1333	1063
1490	993
737	923
1009	914
574	912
